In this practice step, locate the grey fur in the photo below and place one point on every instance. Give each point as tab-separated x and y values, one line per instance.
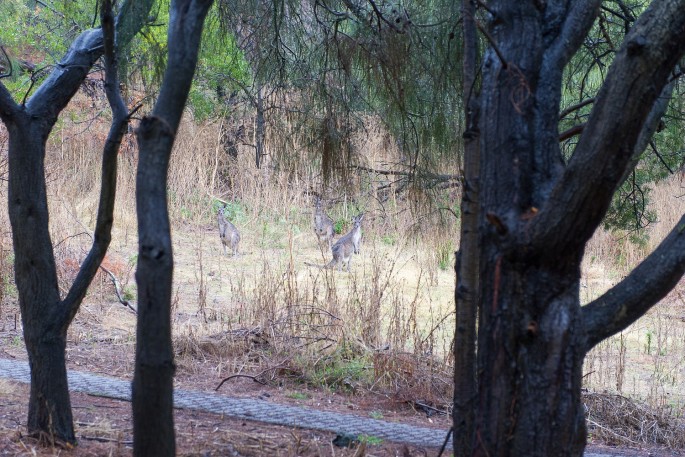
228	233
323	225
343	249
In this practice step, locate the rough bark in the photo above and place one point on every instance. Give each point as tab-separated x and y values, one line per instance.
467	267
537	215
153	426
45	317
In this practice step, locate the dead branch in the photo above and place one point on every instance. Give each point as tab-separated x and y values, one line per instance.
117	290
255	378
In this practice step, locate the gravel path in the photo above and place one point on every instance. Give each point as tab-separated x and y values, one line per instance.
256	410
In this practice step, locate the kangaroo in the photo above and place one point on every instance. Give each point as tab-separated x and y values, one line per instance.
227	232
323	225
345	247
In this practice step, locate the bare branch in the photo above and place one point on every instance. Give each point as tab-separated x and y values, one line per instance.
105	217
117	290
571	132
575	107
8	107
624	303
581	196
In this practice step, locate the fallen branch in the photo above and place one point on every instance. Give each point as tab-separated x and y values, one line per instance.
117	290
255	378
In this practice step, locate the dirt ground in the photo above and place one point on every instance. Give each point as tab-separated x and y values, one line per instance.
104	426
101	340
104	429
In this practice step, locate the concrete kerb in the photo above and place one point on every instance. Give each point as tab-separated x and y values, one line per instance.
245	408
248	409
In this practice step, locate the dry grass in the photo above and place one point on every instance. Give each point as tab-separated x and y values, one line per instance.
384	329
616	420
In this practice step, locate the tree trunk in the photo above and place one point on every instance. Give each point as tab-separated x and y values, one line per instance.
530	338
530	358
36	280
260	128
45	317
538	212
49	403
153	423
467	266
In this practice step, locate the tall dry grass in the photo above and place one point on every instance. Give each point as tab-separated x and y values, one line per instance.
646	361
386	327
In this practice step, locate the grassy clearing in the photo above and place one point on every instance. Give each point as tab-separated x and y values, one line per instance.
386	327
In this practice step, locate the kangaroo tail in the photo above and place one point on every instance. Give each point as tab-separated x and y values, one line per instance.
322	267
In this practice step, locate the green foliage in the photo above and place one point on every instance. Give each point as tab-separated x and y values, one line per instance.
583	78
369	439
648	343
129	293
235	211
298	396
445	250
342	369
33	37
339	226
389	239
629	210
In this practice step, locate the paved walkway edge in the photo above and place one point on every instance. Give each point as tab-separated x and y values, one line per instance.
245	408
254	410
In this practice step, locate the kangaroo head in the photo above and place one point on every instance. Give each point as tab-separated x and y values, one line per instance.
358	220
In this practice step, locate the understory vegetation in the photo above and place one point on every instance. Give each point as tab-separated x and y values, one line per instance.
385	328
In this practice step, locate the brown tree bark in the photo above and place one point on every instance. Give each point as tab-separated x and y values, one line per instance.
153	424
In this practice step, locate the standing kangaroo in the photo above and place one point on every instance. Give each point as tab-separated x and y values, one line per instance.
345	247
323	225
227	232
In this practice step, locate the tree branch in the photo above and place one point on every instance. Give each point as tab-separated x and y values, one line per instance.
59	88
581	196
624	303
649	128
571	132
578	18
563	29
8	107
105	217
181	64
575	107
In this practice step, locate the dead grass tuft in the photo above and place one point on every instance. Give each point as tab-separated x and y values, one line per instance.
617	420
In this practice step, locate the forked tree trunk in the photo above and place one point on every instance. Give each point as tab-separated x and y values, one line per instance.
538	211
45	316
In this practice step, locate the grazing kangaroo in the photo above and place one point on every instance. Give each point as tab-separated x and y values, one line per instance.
227	232
323	225
345	247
